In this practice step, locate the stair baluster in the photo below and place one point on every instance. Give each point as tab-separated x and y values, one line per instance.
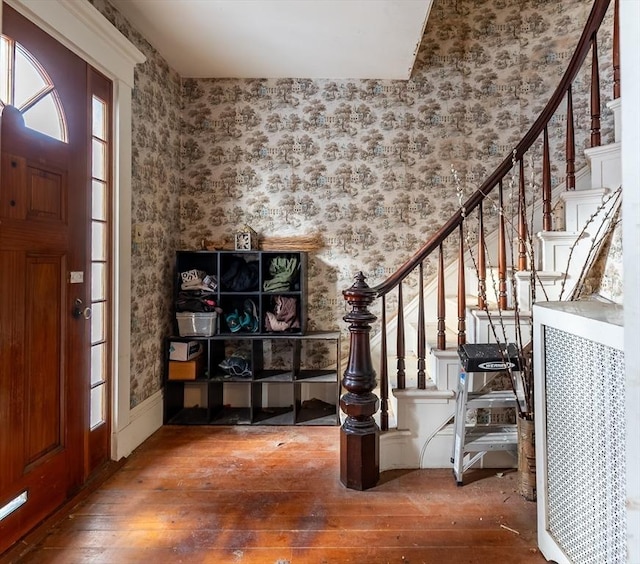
441	309
546	184
570	148
482	262
384	376
422	334
400	347
502	253
522	221
462	297
595	94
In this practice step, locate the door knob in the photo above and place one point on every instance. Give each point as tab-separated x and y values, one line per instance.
78	311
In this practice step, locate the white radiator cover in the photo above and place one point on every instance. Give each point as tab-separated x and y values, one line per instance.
580	432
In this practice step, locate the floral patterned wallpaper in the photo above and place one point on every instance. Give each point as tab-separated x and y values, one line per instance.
365	163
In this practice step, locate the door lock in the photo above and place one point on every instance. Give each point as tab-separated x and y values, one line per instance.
78	311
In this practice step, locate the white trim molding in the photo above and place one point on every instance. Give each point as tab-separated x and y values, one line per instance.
87	33
143	420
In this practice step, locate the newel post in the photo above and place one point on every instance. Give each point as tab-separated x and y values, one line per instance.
359	435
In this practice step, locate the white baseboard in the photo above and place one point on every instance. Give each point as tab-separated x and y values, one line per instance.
393	446
144	420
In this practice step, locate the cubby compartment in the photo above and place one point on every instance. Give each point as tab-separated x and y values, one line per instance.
241	313
272	403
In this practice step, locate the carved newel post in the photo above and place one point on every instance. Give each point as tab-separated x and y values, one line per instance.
360	435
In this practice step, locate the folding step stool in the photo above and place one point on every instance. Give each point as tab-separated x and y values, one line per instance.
473	442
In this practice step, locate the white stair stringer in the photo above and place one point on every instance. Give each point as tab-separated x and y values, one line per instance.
421	414
616	106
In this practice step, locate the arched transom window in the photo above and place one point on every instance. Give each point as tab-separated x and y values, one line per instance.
25	85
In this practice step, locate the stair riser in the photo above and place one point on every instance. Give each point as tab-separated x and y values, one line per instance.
605	166
580	206
479	327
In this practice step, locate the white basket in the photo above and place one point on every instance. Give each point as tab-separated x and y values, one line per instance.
196	324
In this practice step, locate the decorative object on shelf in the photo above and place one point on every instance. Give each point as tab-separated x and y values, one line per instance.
246	239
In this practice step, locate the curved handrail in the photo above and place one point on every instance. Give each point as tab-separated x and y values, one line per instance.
593	24
359	442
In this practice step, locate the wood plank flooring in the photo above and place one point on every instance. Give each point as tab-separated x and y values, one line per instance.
272	495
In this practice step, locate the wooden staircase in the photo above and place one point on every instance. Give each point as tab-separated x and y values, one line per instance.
424	432
409	369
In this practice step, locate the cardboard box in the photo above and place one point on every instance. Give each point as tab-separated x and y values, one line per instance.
184	350
187	369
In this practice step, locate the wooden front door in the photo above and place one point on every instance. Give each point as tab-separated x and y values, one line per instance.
43	245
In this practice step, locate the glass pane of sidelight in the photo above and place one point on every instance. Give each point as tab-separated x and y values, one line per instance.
97	405
99	159
99	126
98	281
97	364
99	200
98	241
97	322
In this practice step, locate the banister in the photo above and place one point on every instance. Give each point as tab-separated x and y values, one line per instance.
359	435
584	45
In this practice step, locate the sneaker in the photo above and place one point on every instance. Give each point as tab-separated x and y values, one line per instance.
233	321
250	321
237	366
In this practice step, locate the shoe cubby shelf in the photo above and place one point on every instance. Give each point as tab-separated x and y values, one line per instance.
255	292
242	319
272	383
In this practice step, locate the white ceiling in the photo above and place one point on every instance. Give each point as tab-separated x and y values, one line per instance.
356	39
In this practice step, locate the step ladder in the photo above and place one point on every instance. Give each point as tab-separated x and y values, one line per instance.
471	443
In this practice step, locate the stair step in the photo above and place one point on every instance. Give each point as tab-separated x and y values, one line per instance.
604	161
480	438
493	399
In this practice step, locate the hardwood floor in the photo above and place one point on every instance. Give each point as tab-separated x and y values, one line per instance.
272	495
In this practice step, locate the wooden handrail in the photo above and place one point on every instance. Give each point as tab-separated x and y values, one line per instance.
582	50
359	436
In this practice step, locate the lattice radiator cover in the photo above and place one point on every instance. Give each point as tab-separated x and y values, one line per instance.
585	436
